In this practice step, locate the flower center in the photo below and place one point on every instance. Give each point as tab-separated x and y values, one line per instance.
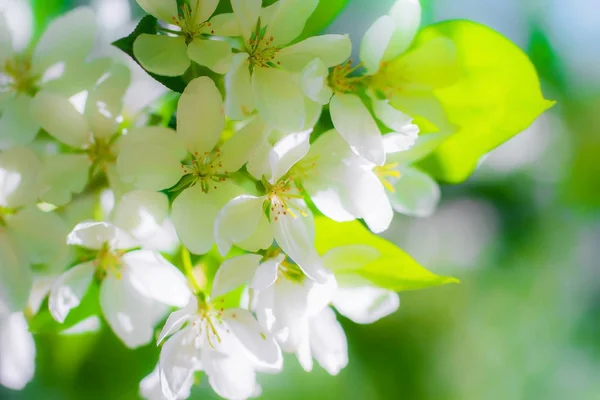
261	50
100	152
186	20
290	271
108	262
207	169
279	199
208	317
387	172
5	212
16	76
340	80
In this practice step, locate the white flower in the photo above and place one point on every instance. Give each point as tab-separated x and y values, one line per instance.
228	345
151	158
27	235
262	76
289	221
150	387
135	286
93	128
56	66
17	350
171	55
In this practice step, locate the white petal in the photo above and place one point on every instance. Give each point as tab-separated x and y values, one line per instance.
395	142
328	342
294	238
15	276
304	355
68	38
162	55
416	193
177	364
59	118
214	54
279	99
355	123
6	41
239	102
237	221
407	17
314	82
76	77
289	19
194	214
203	9
155	278
375	42
178	318
130	315
226	25
150	388
150	158
240	148
93	235
105	101
330	49
365	305
258	165
287	152
19	169
234	272
231	377
68	291
200	117
17	363
247	12
259	343
424	145
266	273
63	175
16	125
390	116
261	238
161	9
370	201
42	234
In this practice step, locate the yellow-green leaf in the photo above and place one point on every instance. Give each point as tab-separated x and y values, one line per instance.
497	96
394	269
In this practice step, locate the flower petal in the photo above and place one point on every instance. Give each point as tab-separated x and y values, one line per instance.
19	171
16	278
330	49
162	55
17	364
59	117
6	40
177	364
150	158
240	148
407	17
289	19
266	273
355	123
203	9
328	342
261	238
259	343
17	128
230	376
365	304
93	235
234	272
161	9
63	175
247	13
375	43
287	152
395	142
237	221
416	193
68	38
70	288
214	54
178	318
130	315
370	201
279	99
314	82
155	278
200	119
239	102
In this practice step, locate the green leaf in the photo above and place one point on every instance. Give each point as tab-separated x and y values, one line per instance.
393	269
148	25
323	16
43	12
44	323
497	96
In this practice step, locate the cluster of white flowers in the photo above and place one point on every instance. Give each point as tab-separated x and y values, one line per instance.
235	181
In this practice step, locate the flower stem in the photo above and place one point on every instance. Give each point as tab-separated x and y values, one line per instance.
186	258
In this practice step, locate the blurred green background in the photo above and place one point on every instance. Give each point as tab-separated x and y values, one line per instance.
523	235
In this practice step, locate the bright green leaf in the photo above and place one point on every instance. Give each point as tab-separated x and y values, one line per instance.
497	96
393	269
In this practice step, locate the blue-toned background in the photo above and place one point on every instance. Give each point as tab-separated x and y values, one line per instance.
523	235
